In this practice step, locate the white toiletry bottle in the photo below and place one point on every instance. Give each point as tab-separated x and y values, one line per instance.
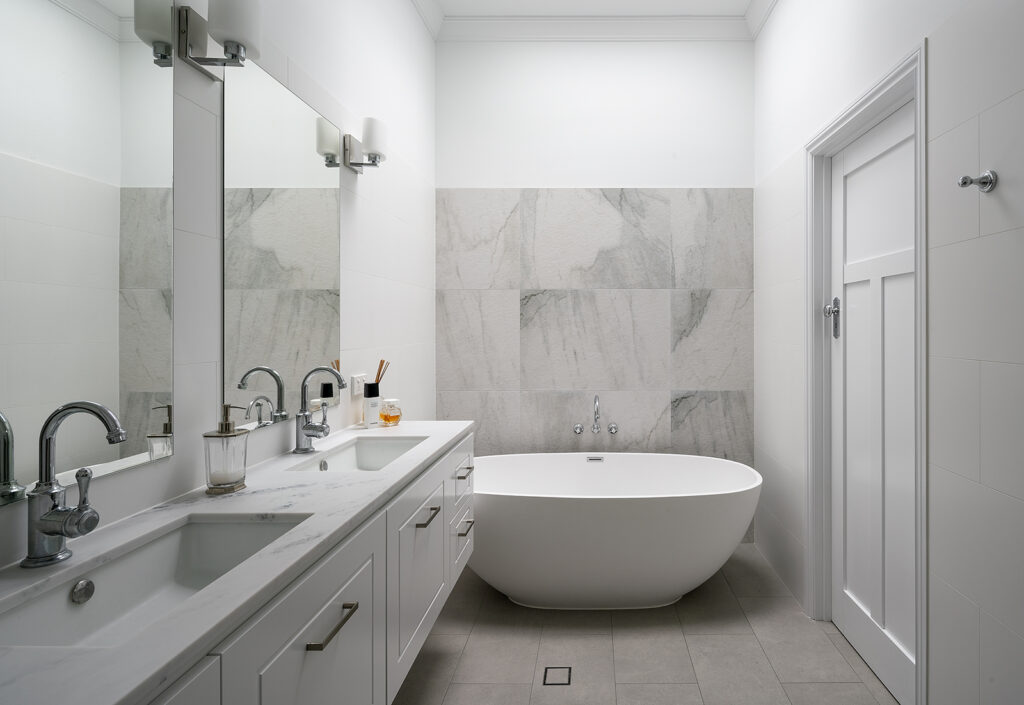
371	405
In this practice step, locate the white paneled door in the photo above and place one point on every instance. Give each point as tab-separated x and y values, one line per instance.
873	399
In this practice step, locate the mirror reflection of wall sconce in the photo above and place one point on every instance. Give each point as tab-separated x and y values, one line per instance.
154	25
371	151
328	142
234	24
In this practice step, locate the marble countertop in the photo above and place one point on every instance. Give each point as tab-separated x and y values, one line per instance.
136	670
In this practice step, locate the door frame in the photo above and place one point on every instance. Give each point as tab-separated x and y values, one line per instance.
904	83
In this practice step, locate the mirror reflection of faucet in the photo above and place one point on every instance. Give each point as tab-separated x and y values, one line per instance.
279	413
258	404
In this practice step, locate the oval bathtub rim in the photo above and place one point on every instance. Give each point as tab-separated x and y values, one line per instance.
756	485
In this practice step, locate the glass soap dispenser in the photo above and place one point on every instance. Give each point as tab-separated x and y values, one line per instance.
225	455
160	444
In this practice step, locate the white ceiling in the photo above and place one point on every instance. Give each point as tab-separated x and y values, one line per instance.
594	8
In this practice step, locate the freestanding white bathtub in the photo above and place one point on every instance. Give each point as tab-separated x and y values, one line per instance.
607	530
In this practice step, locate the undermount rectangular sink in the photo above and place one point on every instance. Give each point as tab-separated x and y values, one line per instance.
135	589
366	453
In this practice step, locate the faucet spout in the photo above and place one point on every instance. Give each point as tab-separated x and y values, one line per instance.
305	430
10	491
279	411
48	436
596	428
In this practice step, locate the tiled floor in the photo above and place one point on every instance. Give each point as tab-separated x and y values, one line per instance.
739	639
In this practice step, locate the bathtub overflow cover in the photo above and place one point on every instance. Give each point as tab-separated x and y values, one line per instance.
595	459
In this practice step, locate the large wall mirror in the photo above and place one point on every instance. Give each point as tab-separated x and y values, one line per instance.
85	229
282	259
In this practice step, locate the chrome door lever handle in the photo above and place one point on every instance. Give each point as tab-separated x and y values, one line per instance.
832	311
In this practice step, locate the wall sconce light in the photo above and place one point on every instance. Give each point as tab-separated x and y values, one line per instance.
154	25
371	151
234	24
328	142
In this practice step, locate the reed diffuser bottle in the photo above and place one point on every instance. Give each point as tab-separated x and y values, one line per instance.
371	398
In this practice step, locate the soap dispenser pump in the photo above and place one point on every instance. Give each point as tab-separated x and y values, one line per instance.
225	455
161	444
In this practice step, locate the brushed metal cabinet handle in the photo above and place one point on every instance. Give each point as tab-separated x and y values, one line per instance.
434	511
470	523
350	609
469	471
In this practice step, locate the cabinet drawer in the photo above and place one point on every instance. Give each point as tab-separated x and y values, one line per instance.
417	571
200	686
331	659
458	472
460	540
266	660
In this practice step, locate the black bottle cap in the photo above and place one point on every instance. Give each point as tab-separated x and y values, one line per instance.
372	389
327	390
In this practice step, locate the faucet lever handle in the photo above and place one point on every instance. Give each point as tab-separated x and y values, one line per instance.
83	477
323	414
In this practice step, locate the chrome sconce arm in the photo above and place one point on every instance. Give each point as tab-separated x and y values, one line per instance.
355	158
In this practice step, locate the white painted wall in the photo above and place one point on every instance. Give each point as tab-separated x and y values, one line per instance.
811	60
343	58
586	114
976	366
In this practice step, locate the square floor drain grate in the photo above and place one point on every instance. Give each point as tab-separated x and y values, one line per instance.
557	675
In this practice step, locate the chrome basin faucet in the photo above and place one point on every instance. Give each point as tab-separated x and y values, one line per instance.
50	523
305	429
10	491
279	411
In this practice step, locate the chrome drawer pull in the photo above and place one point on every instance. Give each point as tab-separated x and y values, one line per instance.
351	608
434	511
469	471
469	527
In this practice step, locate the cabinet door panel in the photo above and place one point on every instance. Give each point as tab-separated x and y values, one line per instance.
421	576
342	672
200	686
460	537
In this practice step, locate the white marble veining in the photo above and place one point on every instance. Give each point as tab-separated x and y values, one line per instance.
713	339
145	242
145	663
597	339
478	238
477	340
497	415
713	423
595	239
548	417
712	238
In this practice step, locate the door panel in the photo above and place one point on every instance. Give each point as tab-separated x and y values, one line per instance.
873	398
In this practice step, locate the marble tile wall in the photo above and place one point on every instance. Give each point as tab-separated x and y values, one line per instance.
145	350
282	282
546	297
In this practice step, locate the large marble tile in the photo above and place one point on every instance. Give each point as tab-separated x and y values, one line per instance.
282	238
713	339
600	339
547	420
290	331
477	340
145	241
713	423
146	345
496	415
478	235
712	238
595	238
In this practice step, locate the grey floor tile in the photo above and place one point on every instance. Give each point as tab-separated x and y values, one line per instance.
650	648
827	627
799	651
829	694
431	673
750	575
463	605
576	622
877	688
590	657
502	647
657	694
712	609
488	694
733	670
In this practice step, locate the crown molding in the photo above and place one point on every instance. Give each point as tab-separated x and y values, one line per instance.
757	15
609	29
432	15
92	14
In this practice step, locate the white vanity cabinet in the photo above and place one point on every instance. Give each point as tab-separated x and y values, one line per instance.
322	640
200	686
